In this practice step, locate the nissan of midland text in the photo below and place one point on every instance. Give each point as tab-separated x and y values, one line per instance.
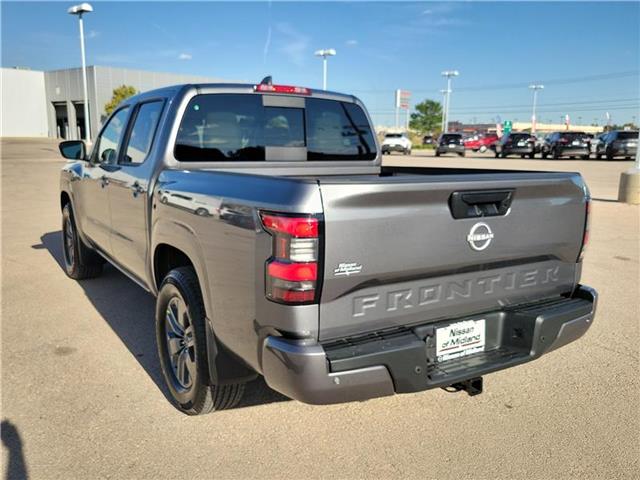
276	244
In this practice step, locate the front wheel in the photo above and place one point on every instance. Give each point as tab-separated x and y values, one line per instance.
182	347
437	153
80	261
482	149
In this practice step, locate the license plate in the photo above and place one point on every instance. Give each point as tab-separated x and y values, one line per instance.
451	145
576	143
521	144
631	144
460	339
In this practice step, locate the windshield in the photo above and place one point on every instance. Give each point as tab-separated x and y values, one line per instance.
238	127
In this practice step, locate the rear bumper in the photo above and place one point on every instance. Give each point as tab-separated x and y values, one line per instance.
518	150
394	148
624	151
403	360
447	149
572	151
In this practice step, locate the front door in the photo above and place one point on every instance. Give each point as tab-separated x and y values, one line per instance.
129	190
92	205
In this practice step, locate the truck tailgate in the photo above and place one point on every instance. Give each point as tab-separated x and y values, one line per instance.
396	256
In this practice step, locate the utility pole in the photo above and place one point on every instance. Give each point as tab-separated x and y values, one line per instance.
535	88
444	109
448	74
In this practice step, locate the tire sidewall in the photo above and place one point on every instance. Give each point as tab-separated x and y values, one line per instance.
175	285
67	217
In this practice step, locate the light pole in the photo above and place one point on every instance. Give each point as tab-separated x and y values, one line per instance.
448	74
324	53
79	10
444	109
535	88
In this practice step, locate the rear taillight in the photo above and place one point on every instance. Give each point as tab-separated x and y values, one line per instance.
585	235
292	270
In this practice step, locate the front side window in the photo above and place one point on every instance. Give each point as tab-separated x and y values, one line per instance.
144	128
106	149
237	127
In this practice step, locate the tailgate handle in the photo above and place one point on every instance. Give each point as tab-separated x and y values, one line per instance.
480	203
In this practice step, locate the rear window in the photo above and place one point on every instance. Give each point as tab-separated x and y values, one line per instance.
393	135
627	135
447	137
237	127
572	135
516	137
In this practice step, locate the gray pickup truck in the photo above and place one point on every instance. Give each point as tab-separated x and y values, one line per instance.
276	244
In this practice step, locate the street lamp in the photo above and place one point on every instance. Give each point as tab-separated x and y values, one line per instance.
79	10
535	88
448	74
324	53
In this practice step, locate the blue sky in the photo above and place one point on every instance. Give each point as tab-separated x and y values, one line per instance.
586	54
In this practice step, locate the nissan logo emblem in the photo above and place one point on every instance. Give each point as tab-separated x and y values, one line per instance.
480	236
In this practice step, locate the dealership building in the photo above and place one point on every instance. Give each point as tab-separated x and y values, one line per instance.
51	104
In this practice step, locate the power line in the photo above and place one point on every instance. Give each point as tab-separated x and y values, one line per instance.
556	81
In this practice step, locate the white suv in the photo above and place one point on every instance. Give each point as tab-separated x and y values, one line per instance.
396	142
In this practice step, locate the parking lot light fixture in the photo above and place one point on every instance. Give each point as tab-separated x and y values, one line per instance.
448	74
535	88
324	53
80	10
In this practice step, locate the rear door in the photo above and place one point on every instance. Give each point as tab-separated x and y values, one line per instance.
396	256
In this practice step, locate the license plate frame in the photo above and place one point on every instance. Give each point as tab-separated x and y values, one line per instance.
460	339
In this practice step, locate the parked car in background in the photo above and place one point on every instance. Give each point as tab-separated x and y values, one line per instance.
566	144
596	141
428	140
618	143
396	142
450	143
481	143
516	143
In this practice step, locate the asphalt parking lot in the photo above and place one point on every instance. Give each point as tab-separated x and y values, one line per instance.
82	393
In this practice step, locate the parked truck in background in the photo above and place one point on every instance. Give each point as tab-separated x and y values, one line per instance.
276	244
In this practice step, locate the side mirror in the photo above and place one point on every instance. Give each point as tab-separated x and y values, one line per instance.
73	150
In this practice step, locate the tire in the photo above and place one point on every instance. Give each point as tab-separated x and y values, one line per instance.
585	157
554	154
80	261
543	155
437	153
627	158
609	155
522	156
181	333
598	156
463	154
482	149
532	155
497	155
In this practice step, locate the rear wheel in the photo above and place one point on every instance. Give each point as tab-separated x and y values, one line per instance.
585	157
555	154
609	155
437	153
482	149
182	347
463	154
532	155
80	261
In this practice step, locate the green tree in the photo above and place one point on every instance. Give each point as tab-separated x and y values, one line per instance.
119	94
427	118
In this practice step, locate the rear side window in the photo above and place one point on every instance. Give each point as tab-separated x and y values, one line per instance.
237	127
627	135
141	136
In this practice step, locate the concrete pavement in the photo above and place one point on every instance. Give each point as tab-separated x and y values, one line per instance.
82	394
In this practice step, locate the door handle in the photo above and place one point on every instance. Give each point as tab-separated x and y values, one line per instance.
137	189
104	181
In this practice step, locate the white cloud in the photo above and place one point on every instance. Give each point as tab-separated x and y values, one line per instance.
185	56
351	43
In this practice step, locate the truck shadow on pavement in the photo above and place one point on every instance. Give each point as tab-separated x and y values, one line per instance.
130	312
12	441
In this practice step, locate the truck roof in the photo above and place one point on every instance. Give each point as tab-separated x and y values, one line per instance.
173	90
